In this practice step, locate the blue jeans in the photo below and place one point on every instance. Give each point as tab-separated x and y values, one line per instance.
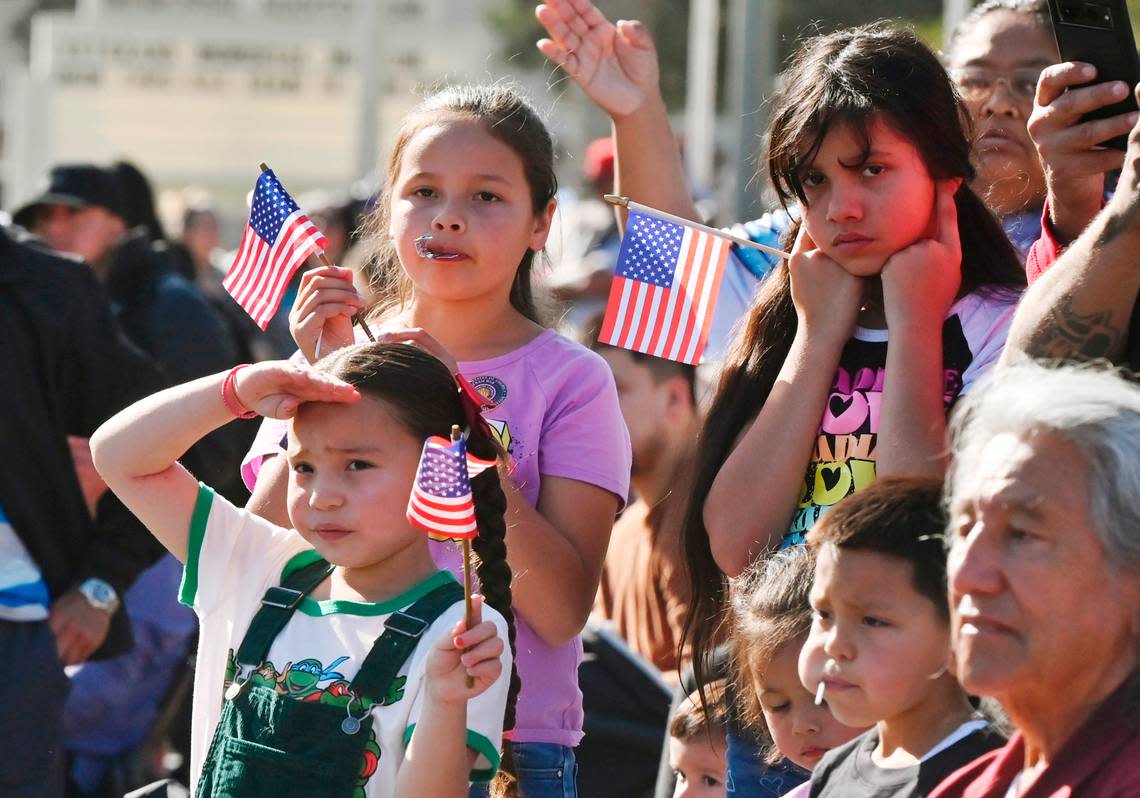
750	777
545	770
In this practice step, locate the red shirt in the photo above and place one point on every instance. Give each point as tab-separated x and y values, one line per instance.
1102	760
1044	251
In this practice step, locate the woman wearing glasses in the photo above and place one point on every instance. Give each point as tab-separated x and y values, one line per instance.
995	57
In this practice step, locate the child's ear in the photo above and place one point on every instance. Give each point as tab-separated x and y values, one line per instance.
542	223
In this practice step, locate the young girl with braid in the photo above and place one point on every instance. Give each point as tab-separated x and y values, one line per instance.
465	210
333	656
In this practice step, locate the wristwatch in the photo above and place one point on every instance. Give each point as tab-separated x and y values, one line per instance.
100	595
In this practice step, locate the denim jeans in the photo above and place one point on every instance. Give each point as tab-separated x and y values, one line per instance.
545	770
750	777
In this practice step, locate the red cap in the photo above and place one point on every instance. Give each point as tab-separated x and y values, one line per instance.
599	160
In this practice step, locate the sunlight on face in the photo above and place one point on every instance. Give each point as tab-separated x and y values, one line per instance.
468	190
864	205
351	471
875	641
1024	554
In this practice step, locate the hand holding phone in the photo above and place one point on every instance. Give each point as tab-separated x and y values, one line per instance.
1099	32
1070	150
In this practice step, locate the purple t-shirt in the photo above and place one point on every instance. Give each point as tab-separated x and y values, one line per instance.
556	413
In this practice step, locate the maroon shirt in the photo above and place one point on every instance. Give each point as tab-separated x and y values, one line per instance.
1101	760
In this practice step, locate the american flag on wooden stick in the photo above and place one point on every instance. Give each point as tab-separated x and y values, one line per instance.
278	238
441	503
665	288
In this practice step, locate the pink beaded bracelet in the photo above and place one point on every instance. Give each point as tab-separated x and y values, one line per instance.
230	397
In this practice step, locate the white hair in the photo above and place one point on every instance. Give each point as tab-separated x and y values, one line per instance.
1092	407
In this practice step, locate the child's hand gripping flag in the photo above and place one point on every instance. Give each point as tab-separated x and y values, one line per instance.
441	503
278	238
665	288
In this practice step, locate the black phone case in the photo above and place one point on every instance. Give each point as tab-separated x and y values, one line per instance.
1099	32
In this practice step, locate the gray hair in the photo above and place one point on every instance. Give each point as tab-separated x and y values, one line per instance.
1036	11
1091	407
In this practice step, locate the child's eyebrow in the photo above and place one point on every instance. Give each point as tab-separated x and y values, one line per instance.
301	450
492	178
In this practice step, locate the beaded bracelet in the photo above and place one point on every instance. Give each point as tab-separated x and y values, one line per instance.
230	397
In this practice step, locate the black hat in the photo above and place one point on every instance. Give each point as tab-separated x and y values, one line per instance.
76	186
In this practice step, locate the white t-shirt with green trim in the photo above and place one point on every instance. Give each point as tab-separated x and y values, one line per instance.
233	557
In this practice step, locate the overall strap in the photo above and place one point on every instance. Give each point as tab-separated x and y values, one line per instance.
402	632
277	606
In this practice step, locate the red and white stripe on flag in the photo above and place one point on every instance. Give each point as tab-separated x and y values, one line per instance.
441	517
278	238
441	502
672	321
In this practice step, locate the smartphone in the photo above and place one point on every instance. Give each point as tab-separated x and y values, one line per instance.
1099	32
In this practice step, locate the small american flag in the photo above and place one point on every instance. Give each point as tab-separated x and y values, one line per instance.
277	240
665	289
441	502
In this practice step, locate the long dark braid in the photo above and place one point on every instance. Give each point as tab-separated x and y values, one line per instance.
423	395
494	575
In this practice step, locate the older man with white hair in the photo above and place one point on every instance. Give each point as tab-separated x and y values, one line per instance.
1044	579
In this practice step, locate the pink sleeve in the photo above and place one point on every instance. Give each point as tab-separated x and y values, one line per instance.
267	443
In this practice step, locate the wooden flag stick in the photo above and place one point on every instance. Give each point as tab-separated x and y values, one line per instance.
626	202
469	617
356	317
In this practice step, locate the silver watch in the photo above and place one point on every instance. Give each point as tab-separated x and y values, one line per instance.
100	595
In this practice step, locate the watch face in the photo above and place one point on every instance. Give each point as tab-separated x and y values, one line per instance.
100	594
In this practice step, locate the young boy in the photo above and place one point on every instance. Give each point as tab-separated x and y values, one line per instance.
697	746
879	646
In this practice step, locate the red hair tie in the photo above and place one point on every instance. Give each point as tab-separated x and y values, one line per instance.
474	403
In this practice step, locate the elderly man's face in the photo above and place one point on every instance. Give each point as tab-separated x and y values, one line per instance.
1037	609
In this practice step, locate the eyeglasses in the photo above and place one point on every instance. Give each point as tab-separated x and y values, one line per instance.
979	84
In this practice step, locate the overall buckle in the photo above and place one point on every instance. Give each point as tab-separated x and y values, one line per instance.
407	625
282	597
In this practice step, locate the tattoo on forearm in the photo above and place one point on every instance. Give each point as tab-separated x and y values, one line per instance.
1069	335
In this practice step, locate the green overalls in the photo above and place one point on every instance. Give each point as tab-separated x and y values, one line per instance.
268	744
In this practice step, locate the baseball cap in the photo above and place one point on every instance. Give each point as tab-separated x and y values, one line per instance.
599	160
76	186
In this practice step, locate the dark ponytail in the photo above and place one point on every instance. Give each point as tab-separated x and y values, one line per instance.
421	392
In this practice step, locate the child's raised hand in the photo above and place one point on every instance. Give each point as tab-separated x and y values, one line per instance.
473	652
277	388
827	297
326	301
921	281
616	65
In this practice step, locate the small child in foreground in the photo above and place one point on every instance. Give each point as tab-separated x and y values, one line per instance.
334	658
697	745
771	617
879	646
